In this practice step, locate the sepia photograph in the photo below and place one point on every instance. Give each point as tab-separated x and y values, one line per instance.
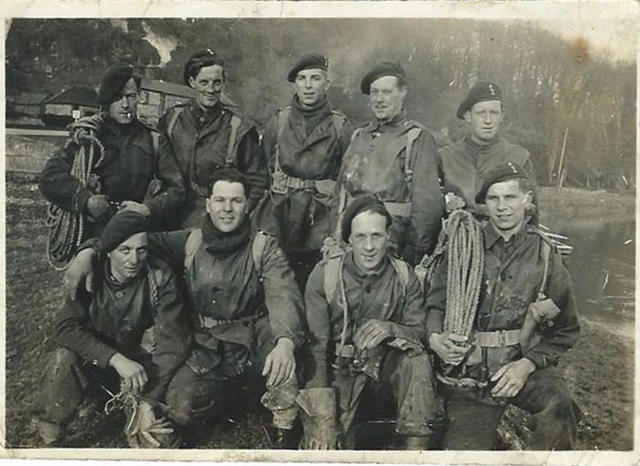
320	227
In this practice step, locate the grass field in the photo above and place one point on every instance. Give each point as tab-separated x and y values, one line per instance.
599	369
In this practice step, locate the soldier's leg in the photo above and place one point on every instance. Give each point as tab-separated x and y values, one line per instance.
555	412
411	380
62	392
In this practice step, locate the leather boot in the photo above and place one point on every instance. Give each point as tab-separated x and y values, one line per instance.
417	443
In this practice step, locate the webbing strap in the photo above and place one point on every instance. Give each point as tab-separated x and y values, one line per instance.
498	338
231	153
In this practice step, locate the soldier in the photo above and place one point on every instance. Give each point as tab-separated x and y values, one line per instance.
246	310
465	162
366	325
128	164
303	143
394	158
202	136
525	321
101	337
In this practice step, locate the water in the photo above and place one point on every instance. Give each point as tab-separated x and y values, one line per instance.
602	268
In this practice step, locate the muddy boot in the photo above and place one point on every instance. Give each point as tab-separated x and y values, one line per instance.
417	443
281	439
318	415
50	433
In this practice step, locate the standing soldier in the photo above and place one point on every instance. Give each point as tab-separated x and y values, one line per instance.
303	143
202	136
465	162
394	158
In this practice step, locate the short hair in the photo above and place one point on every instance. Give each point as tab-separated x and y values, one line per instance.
230	175
201	60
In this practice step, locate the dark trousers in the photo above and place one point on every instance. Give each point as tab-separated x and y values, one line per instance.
408	379
191	396
472	422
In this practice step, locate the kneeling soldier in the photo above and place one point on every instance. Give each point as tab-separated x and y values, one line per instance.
366	323
100	337
526	319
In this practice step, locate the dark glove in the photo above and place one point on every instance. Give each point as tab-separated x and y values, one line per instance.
98	207
84	125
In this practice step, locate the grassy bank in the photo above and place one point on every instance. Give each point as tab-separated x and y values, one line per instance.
599	369
580	203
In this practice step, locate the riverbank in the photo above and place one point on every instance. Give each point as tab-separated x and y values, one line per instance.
599	369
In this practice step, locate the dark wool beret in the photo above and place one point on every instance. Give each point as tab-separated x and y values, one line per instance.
361	204
121	226
386	68
199	60
504	172
481	92
113	81
308	62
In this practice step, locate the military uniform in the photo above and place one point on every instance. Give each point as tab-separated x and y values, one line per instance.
513	275
193	144
124	173
375	163
92	328
239	310
381	295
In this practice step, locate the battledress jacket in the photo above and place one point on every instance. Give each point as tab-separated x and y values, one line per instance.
196	147
226	287
374	163
464	163
114	317
124	173
513	275
301	217
375	295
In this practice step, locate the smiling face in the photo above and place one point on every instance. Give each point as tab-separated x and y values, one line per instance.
227	205
369	239
311	86
208	83
507	203
386	97
484	119
123	110
128	258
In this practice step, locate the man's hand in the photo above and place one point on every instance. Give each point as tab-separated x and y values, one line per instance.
136	207
146	424
511	378
132	373
280	364
372	333
81	267
98	207
451	348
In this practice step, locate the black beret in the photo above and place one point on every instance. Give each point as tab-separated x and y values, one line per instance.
113	81
199	60
308	62
386	68
361	204
504	172
481	92
121	226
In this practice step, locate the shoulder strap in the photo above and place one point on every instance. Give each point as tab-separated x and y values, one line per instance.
356	133
257	251
153	277
331	274
412	135
339	120
281	116
173	120
546	257
155	141
402	269
194	240
231	153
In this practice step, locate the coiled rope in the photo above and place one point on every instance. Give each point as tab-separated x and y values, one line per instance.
66	228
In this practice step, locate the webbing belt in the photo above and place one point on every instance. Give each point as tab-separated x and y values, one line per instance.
282	182
210	322
498	338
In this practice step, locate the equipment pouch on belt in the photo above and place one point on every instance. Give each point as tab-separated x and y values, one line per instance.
539	313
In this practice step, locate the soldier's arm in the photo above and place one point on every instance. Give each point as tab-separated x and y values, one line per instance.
318	322
170	246
436	299
563	334
345	138
414	313
171	334
282	295
59	186
252	162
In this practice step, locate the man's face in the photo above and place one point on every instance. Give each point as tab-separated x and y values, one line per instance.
208	84
369	239
123	110
386	97
484	118
227	205
128	258
507	203
311	86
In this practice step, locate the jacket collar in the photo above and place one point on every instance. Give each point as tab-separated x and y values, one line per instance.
475	147
353	269
396	121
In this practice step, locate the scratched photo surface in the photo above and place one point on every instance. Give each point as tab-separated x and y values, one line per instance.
569	100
